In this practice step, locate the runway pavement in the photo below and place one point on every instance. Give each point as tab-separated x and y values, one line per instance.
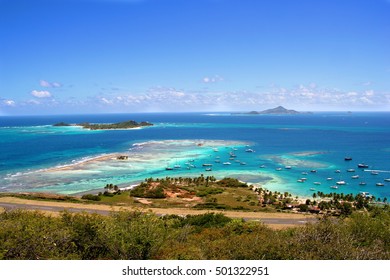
268	221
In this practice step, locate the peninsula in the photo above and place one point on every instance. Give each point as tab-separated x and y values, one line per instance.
101	126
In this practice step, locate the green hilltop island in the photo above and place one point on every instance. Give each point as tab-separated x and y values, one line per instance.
280	110
99	126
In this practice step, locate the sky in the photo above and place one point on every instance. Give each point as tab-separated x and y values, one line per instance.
125	56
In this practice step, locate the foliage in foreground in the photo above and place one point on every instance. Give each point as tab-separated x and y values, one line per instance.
135	235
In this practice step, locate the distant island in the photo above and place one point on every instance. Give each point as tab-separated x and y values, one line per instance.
100	126
280	110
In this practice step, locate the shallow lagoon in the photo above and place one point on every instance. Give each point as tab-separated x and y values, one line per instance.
33	152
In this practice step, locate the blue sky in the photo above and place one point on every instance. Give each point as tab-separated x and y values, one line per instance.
106	56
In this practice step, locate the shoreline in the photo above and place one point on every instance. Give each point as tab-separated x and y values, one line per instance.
149	158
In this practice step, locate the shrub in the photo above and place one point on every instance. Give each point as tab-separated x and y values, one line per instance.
91	197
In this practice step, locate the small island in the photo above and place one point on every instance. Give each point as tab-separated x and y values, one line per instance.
280	110
101	126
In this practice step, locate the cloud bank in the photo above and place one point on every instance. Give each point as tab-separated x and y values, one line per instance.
169	99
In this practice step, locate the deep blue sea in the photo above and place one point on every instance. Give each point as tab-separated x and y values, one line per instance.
32	151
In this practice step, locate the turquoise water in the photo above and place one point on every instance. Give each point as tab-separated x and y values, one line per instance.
32	151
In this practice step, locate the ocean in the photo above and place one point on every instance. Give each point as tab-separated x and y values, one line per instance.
274	151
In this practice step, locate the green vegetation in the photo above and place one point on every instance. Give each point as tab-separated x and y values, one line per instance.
143	190
120	125
42	197
361	230
204	192
134	235
231	183
97	126
62	124
91	197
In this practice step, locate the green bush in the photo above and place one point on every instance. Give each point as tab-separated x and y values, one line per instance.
231	183
91	197
28	235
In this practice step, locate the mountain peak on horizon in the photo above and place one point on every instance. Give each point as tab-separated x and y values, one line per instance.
279	110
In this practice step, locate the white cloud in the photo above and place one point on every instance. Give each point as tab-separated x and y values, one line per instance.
7	102
213	79
106	101
366	100
352	93
41	93
44	83
369	93
304	97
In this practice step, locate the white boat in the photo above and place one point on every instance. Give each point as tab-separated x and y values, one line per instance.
380	184
334	187
337	171
362	183
355	177
243	163
226	163
262	166
249	151
341	183
278	169
374	172
317	183
304	173
365	194
288	167
387	180
351	170
312	189
300	181
329	178
208	169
